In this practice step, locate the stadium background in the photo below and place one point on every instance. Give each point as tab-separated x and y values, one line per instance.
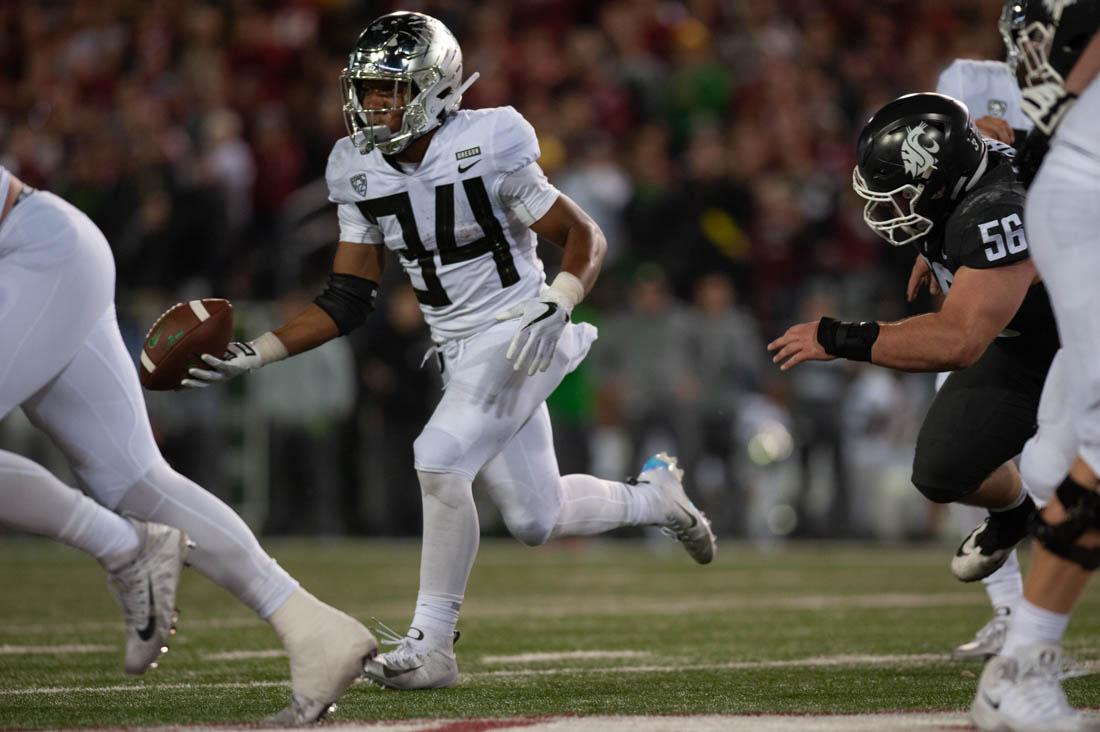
713	142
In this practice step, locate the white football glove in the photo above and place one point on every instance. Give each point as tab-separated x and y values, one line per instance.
239	358
542	321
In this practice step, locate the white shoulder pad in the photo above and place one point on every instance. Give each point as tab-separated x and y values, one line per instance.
343	162
515	144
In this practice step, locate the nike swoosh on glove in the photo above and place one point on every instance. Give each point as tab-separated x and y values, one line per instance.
541	324
239	358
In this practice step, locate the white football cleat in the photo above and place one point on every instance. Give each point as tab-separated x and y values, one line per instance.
145	589
327	650
989	639
985	550
684	521
1022	693
412	664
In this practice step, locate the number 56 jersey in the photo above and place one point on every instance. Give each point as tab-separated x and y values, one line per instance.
986	231
459	221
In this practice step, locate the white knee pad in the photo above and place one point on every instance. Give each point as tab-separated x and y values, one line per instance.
438	451
1044	464
527	527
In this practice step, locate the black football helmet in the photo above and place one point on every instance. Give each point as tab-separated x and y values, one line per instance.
915	158
1048	36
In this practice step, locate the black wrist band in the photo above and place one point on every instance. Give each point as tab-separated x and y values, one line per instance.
845	339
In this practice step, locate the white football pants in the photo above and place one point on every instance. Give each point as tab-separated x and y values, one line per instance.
1062	219
62	358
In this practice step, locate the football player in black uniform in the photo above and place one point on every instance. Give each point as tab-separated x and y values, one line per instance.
1058	45
931	180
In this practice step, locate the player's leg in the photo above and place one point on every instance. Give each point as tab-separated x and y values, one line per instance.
485	407
33	501
95	412
144	560
976	424
538	503
1021	688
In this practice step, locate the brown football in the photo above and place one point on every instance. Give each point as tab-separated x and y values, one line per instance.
180	336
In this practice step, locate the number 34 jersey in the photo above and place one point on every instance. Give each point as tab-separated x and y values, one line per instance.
459	222
985	231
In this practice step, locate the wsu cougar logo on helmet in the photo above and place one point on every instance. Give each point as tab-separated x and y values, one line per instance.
917	158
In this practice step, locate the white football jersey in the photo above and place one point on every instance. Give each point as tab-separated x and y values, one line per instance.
987	88
1079	127
459	222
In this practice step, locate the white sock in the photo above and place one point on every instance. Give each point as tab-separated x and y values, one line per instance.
1005	587
34	501
1016	502
226	551
451	536
1032	625
592	505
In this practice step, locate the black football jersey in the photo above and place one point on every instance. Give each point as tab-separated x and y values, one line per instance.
986	230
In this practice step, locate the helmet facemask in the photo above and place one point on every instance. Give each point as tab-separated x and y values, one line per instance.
367	125
891	214
1033	44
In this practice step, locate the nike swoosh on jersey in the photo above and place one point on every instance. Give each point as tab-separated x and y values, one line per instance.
150	627
990	702
464	168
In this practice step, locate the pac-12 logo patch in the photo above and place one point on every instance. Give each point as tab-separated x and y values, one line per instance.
997	108
359	183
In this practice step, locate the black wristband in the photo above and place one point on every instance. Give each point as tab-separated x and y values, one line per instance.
348	300
845	339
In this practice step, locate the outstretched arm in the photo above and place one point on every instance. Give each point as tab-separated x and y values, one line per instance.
342	307
980	304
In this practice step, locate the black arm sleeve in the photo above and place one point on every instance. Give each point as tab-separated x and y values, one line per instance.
348	300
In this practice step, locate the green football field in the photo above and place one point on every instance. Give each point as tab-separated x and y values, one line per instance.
601	628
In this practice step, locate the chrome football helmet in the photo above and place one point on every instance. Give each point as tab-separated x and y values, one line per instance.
421	59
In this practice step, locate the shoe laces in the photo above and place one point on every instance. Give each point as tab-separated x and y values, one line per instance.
132	591
404	651
1040	690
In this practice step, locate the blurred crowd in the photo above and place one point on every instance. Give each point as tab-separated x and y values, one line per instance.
711	139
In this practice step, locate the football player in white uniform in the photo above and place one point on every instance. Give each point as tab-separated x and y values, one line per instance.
989	89
459	196
63	361
1058	44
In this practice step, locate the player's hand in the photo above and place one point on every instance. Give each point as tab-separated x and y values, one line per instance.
239	358
996	128
921	276
1046	104
541	324
798	344
1031	155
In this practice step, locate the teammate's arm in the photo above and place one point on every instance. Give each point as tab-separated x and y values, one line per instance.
342	307
979	305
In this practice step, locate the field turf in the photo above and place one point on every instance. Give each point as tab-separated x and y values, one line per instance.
601	628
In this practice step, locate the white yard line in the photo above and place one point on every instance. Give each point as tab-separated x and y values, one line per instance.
535	606
47	650
564	656
244	655
153	686
812	662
